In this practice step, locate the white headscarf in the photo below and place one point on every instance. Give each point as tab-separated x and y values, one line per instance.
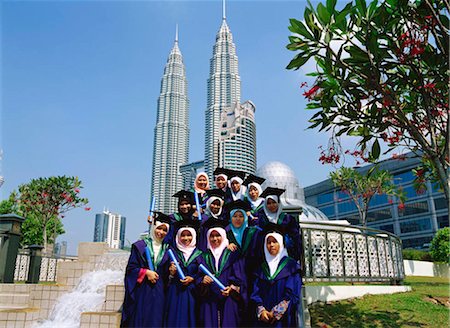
273	217
186	250
217	252
259	200
241	192
274	260
197	189
156	243
208	204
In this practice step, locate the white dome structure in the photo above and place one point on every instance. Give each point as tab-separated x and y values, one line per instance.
279	175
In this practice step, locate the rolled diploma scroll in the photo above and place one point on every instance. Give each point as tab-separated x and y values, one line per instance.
208	273
149	259
174	259
197	204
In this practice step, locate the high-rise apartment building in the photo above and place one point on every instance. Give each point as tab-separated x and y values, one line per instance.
237	141
110	228
224	90
171	141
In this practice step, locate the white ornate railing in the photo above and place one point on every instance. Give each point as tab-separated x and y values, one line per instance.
49	266
336	252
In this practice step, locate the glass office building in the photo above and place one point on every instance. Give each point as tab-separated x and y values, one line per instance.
416	224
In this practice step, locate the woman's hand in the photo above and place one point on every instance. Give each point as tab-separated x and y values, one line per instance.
266	316
207	280
232	247
186	281
226	292
152	276
172	269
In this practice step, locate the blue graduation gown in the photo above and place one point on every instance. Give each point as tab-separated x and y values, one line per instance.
269	291
181	306
215	309
144	302
293	243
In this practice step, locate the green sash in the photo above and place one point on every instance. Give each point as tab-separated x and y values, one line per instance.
193	256
281	265
149	243
211	261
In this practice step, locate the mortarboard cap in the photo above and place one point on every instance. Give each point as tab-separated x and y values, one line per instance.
185	195
216	192
161	217
238	204
214	223
221	170
272	227
236	173
272	191
253	178
189	223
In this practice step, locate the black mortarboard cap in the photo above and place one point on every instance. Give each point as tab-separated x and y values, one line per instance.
238	204
187	223
253	178
236	173
185	195
214	223
216	192
272	191
161	217
272	227
221	170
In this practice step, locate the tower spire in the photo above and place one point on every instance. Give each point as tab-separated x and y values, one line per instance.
224	16
176	33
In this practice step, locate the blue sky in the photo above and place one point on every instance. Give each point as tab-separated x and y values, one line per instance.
80	82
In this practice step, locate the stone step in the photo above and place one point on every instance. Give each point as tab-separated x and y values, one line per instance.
15	288
21	318
14	299
100	319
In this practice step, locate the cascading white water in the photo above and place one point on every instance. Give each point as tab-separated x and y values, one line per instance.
88	295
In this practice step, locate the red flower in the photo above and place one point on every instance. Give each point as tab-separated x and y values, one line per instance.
390	201
77	190
401	206
87	208
311	93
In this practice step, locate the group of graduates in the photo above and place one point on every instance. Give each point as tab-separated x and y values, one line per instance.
232	263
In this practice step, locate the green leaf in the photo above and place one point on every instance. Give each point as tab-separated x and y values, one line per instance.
299	28
362	7
331	5
375	153
322	14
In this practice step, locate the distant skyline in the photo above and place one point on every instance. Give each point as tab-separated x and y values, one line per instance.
80	85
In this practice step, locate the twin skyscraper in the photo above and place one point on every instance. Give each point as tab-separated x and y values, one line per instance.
230	130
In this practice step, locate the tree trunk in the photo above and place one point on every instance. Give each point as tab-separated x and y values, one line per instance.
44	235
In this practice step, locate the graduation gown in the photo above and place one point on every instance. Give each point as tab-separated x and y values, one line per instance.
293	241
254	212
283	285
181	305
144	302
215	309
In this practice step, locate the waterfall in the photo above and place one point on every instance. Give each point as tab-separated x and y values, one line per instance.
89	294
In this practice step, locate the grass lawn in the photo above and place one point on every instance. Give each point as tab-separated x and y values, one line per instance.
427	305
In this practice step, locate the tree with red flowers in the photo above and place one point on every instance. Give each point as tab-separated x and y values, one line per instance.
45	200
361	188
382	75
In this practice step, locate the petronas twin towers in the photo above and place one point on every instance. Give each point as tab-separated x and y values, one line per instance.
230	130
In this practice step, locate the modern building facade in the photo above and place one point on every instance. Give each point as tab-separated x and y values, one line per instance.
189	172
110	228
171	140
224	90
416	223
237	141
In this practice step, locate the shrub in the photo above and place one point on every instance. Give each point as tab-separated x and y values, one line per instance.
416	255
440	246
